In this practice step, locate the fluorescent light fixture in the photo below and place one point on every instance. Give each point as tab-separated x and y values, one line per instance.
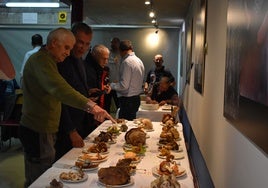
33	4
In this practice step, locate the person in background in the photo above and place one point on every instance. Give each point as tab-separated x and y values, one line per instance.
163	92
44	91
98	74
37	42
154	74
8	97
130	82
114	65
75	124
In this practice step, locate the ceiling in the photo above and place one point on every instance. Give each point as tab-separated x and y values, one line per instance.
169	13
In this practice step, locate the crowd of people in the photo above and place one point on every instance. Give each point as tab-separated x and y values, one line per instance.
66	96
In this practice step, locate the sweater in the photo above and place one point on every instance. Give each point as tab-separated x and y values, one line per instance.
44	91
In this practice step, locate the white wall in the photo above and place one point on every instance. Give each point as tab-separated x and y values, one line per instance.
232	159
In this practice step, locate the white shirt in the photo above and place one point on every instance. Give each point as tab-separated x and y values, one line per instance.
131	76
26	57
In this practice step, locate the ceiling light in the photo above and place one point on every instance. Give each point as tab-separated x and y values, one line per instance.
153	20
33	4
152	14
147	2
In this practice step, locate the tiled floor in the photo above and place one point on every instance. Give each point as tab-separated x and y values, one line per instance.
11	165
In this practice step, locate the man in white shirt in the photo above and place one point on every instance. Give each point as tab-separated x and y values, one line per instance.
130	82
37	42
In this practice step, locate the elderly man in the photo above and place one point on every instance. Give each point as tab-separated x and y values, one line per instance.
130	82
98	74
44	90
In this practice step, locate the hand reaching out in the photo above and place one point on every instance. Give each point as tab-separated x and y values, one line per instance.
76	139
101	114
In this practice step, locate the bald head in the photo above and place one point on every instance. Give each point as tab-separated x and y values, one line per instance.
158	60
60	41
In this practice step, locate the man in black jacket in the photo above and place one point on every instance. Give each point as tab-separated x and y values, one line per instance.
75	124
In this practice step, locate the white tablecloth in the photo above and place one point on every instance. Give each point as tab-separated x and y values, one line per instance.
154	115
142	179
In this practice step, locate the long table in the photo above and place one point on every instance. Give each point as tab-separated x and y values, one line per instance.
142	178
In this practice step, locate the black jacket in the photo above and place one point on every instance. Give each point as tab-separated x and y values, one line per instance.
72	118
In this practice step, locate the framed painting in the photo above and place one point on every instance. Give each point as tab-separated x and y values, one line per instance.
200	47
189	49
246	75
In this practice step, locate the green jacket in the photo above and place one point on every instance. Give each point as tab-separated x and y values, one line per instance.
43	91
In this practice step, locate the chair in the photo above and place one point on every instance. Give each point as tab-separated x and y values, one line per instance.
117	113
9	127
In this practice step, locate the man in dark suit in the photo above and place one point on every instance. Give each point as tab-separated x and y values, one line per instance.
75	124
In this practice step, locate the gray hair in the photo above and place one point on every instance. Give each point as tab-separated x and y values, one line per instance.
99	49
58	34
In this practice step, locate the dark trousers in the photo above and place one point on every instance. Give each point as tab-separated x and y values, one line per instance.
129	107
39	152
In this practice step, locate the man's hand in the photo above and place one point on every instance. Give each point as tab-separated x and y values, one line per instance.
101	114
107	89
76	139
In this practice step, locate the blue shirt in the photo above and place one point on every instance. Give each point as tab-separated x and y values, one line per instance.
131	76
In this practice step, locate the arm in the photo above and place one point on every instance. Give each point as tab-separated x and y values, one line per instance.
53	83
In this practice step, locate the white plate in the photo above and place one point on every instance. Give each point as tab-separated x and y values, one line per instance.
175	151
130	146
159	144
108	143
88	152
155	171
87	169
105	157
99	161
131	182
77	181
166	107
177	156
137	121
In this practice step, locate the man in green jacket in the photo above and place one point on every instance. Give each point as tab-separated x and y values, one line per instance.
44	91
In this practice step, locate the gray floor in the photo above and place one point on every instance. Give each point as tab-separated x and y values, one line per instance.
11	165
12	162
